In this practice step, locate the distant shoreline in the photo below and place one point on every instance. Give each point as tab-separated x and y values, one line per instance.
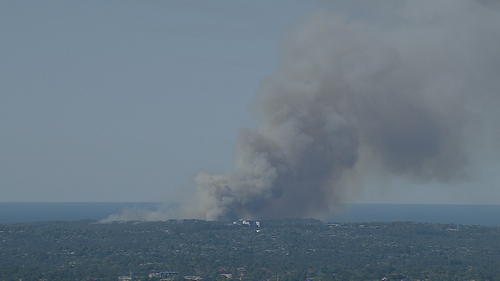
467	214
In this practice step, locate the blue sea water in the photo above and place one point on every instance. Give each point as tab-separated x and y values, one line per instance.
487	215
11	212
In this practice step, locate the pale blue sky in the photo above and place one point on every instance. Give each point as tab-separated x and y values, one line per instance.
129	100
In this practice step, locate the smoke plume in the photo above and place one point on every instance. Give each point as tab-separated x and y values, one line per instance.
406	97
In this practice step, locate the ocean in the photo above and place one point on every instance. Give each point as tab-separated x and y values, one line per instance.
486	215
14	212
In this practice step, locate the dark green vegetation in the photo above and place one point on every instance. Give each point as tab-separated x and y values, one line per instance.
284	249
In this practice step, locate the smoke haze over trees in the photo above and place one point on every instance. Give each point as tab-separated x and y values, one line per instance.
412	96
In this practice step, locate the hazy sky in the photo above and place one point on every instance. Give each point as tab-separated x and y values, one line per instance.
127	100
130	100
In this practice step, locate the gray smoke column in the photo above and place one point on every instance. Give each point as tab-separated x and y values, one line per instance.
401	97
